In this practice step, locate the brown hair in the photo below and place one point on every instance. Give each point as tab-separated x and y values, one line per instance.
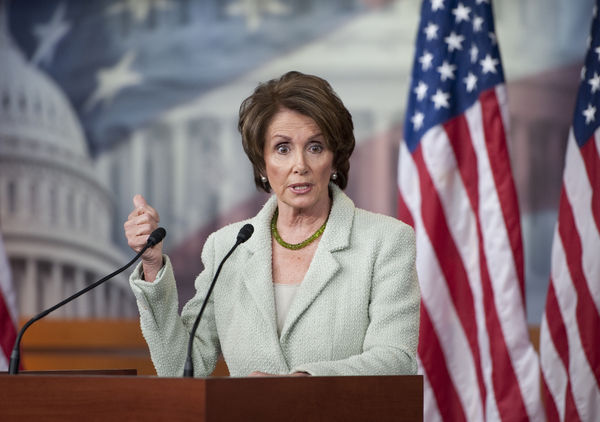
308	95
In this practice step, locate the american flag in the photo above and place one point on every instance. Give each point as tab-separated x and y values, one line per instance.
456	189
8	310
570	330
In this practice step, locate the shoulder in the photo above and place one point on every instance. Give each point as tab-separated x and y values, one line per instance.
224	238
356	226
219	242
378	226
261	223
227	234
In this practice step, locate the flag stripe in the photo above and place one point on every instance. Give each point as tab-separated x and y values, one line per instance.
571	412
431	413
551	410
556	379
8	311
460	204
587	314
493	127
451	263
576	227
591	160
556	326
508	396
7	328
432	357
497	218
582	390
453	341
403	211
579	190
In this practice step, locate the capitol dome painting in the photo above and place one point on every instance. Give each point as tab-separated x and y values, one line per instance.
55	214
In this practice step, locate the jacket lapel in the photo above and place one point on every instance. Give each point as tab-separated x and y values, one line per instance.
257	270
324	266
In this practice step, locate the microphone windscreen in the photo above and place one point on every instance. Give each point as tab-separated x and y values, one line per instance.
245	233
156	236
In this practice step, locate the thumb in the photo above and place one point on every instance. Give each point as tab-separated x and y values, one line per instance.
139	201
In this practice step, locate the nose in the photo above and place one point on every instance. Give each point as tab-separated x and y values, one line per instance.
300	166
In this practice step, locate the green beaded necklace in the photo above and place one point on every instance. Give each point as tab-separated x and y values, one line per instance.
294	246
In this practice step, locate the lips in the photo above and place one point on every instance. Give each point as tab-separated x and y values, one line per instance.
301	187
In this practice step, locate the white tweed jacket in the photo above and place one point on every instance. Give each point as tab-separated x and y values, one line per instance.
355	313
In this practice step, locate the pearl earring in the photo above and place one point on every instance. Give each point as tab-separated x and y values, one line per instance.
334	176
263	179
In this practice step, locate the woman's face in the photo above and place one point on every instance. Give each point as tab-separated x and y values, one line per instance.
298	163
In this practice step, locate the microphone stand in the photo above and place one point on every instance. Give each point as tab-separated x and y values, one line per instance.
243	235
188	370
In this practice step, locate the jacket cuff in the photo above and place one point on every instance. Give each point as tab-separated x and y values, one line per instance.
156	288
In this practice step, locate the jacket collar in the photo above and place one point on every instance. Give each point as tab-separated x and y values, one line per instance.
335	237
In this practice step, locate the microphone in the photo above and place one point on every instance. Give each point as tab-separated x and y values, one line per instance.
155	237
243	235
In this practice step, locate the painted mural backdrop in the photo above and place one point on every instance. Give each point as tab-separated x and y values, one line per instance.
103	99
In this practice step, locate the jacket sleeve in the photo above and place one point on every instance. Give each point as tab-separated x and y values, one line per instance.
167	333
391	339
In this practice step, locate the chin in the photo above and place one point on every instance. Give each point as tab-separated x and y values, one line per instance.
303	203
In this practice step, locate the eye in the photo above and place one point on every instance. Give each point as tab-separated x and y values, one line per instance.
282	148
315	148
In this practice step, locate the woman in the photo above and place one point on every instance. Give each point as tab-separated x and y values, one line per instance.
321	288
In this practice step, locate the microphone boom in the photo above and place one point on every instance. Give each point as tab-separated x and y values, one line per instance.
243	235
155	237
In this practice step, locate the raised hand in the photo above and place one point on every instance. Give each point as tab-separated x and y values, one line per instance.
142	221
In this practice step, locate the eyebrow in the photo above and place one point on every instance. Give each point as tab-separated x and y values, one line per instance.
312	138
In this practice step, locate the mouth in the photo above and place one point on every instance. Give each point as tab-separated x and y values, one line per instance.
300	187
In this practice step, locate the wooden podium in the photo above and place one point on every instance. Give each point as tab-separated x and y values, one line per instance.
120	398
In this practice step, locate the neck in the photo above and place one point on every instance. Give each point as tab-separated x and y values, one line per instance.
295	225
290	217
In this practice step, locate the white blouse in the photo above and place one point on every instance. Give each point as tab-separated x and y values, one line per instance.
284	296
